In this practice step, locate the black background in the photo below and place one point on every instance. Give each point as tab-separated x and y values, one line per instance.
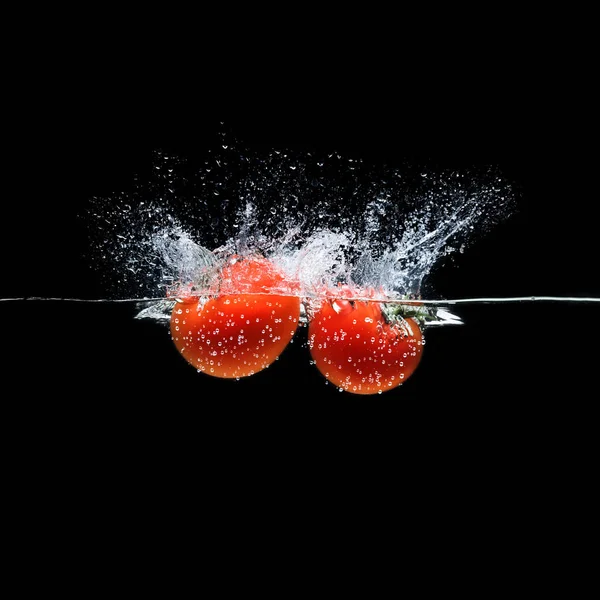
521	354
110	437
511	380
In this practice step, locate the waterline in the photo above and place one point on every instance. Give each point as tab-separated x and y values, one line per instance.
447	301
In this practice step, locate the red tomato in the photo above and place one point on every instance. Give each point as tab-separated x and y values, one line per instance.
356	349
237	334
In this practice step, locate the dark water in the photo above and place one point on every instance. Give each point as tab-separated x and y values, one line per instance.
513	358
498	424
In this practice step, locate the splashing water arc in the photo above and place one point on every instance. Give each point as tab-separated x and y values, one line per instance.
325	220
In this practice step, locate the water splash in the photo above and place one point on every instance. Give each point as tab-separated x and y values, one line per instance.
325	219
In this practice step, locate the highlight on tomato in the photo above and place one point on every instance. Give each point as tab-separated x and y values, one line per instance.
360	349
245	324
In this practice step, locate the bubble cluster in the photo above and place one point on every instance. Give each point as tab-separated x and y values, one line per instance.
359	351
219	338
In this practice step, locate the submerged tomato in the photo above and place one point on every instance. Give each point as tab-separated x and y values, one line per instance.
237	334
355	348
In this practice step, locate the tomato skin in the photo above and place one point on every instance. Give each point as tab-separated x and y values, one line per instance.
358	351
236	335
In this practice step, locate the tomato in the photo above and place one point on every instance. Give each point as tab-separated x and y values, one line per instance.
355	348
244	327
